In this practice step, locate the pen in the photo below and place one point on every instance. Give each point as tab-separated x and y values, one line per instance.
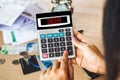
13	36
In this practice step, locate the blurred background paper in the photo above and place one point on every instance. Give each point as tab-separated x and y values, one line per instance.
33	9
23	29
9	12
16	49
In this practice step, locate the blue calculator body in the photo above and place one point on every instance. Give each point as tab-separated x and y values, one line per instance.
55	35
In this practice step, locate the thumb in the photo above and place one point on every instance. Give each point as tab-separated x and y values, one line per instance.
80	37
77	43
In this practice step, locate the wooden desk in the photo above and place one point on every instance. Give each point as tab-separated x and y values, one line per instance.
8	71
90	22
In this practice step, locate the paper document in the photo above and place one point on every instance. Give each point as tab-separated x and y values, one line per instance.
23	29
24	33
16	49
15	26
33	9
9	13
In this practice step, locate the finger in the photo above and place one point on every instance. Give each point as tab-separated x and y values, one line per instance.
59	60
73	60
43	72
49	69
78	43
80	36
56	65
71	70
64	60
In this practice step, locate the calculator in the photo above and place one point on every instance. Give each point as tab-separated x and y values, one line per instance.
55	35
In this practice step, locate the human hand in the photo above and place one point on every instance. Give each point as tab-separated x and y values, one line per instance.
62	70
88	55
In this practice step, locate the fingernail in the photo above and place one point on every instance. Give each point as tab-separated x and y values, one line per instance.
59	60
65	52
74	38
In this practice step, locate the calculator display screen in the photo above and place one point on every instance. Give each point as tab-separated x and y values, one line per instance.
54	20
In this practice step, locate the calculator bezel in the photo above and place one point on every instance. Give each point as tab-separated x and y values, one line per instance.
47	29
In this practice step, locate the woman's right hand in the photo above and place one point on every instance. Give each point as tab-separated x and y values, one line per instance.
88	55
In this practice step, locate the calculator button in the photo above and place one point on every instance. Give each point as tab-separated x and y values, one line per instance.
44	45
68	38
56	44
68	33
49	35
57	54
50	40
62	44
45	55
62	39
43	41
55	35
68	29
50	45
63	48
61	30
43	36
61	34
56	39
70	50
57	49
51	50
51	55
69	43
44	50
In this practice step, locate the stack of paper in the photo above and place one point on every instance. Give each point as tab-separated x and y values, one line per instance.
18	22
9	12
